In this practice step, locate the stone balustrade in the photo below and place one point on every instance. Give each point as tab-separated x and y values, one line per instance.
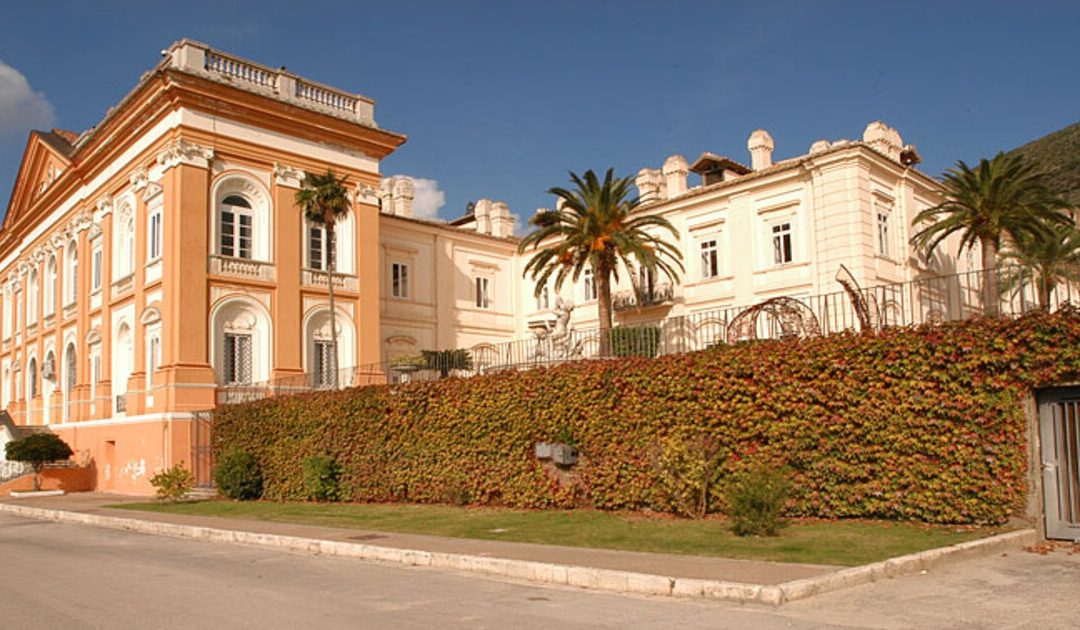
200	59
241	268
317	278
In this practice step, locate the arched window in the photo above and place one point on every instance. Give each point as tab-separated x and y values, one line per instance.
236	227
72	280
31	379
320	349
31	296
241	341
124	242
69	369
51	286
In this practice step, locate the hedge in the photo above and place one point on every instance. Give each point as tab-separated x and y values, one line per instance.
919	423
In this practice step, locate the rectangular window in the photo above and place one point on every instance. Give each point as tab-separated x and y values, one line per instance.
710	259
543	301
237	359
483	293
243	239
315	247
228	229
781	241
324	363
96	268
590	284
153	242
399	280
883	233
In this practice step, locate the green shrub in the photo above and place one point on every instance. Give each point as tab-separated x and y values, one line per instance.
634	341
173	483
924	423
38	449
688	468
239	476
756	499
321	478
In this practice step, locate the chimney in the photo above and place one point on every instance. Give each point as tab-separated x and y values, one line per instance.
502	224
675	170
482	215
761	148
386	195
403	193
649	183
884	138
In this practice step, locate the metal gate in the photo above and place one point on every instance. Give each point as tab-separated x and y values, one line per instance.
202	450
1059	429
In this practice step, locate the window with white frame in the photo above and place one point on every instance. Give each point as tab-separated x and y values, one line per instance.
51	287
483	293
153	359
710	259
96	260
123	242
399	280
543	300
17	317
153	234
7	312
95	374
31	379
782	247
236	227
323	359
236	356
883	232
320	248
646	281
31	296
71	282
589	284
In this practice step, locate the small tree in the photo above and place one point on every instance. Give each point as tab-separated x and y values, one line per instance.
446	360
38	449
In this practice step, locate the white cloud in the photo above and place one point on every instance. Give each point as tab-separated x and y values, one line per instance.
428	197
21	108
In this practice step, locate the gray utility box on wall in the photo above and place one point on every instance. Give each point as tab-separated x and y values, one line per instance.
564	454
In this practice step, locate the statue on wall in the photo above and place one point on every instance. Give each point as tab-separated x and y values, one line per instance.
555	340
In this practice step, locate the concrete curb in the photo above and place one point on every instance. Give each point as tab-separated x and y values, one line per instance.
560	574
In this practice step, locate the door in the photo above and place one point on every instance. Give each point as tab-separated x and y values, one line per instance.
1059	430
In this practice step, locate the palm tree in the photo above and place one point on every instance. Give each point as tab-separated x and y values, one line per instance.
1049	257
1001	197
598	226
324	200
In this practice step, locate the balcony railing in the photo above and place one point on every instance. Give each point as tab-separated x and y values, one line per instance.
241	268
648	296
317	278
276	82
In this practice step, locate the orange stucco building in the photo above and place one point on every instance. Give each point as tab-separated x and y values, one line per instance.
160	256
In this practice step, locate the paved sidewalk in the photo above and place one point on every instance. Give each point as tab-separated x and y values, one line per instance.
697	567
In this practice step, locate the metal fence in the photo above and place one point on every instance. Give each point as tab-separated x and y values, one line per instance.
1006	291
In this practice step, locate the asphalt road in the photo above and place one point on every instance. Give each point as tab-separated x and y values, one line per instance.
68	576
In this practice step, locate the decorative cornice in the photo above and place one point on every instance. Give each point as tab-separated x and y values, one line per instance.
290	176
139	179
367	194
151	190
180	151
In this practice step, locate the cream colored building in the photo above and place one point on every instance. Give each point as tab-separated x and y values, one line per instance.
157	263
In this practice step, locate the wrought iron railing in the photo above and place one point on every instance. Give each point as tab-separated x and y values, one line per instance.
1007	291
643	298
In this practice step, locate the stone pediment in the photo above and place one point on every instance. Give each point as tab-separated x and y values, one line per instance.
44	162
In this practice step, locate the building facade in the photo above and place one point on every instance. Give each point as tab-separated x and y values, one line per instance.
158	261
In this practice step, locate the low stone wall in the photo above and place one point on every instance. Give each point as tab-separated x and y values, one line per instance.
66	478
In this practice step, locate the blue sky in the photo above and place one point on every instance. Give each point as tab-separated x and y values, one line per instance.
501	99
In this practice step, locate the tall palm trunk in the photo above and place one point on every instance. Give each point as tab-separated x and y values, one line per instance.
602	276
1045	286
990	275
331	265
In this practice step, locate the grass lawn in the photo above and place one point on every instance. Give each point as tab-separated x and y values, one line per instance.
844	542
